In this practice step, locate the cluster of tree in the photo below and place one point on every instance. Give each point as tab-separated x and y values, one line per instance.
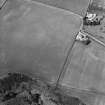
44	96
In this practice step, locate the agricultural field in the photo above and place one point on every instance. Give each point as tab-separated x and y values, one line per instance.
35	38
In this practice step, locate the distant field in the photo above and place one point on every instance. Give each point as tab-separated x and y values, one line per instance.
76	6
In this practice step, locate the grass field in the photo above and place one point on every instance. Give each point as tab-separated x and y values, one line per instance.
35	38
